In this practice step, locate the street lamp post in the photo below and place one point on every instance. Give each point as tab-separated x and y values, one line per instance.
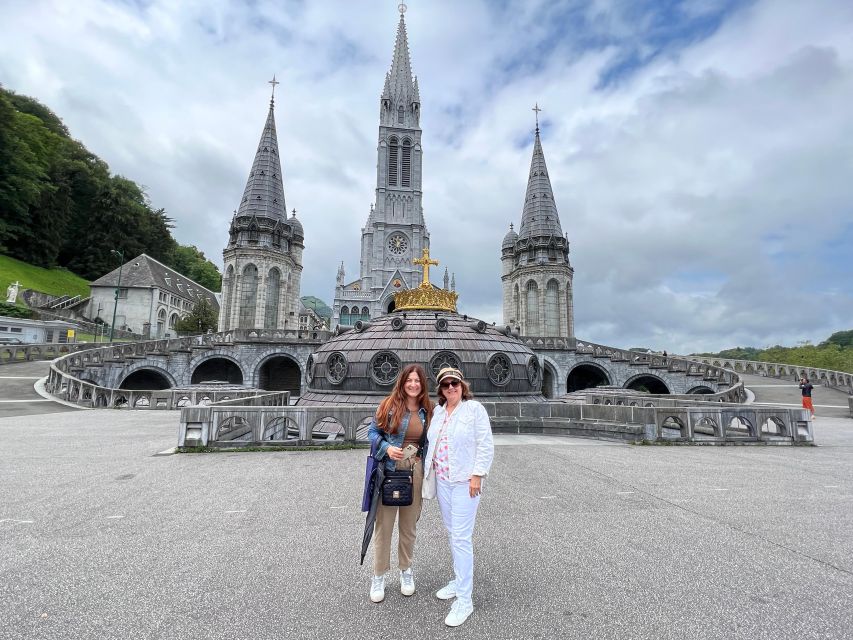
120	255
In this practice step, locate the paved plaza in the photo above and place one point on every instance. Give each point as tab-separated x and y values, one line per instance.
104	538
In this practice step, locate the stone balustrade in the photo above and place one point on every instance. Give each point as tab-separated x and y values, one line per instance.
841	380
231	425
12	353
64	383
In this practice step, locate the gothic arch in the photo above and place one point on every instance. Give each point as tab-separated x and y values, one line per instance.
143	366
552	308
273	297
393	160
248	296
532	323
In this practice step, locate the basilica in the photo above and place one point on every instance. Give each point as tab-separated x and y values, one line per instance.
263	256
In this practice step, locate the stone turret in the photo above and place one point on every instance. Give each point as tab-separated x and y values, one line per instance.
263	257
536	272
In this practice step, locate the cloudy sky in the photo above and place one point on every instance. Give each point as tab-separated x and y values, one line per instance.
701	151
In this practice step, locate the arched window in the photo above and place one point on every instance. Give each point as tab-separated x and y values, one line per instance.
273	289
552	308
533	328
406	177
253	232
248	297
515	302
227	298
172	320
365	314
393	161
345	319
400	115
161	323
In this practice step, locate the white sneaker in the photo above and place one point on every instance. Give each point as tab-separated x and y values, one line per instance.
447	592
407	582
458	614
377	589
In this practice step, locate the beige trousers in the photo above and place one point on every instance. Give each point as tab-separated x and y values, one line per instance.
408	519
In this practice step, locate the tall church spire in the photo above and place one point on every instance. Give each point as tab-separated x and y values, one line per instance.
539	218
400	95
264	192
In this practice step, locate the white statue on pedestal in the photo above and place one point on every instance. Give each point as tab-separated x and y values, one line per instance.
12	292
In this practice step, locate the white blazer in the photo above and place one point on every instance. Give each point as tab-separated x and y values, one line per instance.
471	445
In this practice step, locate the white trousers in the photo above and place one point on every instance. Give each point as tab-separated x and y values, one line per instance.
459	511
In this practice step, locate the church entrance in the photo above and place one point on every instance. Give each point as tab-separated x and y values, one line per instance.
586	376
145	379
280	373
391	306
217	370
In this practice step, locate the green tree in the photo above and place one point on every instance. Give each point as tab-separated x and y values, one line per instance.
200	319
188	260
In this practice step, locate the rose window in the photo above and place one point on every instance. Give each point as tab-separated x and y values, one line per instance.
336	368
500	369
443	359
398	244
385	367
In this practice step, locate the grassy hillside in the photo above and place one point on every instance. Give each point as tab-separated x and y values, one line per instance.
53	281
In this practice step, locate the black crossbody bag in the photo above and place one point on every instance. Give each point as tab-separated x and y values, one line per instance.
398	487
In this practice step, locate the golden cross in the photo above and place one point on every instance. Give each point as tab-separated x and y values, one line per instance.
426	263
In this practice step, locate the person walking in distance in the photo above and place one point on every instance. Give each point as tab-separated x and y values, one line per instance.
806	387
399	424
459	456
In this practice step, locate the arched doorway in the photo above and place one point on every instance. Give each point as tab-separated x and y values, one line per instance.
649	384
700	390
280	373
391	306
586	376
217	370
145	379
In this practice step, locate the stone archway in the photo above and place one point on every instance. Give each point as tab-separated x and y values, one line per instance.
586	376
145	380
648	383
391	306
217	370
280	373
549	380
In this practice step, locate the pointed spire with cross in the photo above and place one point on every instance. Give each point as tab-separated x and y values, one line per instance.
537	110
273	82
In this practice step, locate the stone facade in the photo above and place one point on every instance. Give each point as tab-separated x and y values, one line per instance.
395	232
536	275
152	297
263	258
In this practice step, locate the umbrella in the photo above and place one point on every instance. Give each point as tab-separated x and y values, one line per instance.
376	478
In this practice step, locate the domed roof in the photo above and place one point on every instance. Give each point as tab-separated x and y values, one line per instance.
360	366
509	239
296	226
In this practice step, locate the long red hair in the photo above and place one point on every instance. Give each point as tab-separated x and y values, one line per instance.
391	410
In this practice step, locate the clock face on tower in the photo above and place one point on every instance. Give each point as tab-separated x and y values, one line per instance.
398	244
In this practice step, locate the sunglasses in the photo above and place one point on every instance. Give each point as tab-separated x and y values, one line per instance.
450	383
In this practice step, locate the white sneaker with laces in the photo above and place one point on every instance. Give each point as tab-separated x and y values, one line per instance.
377	589
407	582
458	614
447	592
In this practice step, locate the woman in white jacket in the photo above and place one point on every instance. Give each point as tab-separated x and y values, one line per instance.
458	458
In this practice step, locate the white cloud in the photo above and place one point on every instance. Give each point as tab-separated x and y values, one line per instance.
699	193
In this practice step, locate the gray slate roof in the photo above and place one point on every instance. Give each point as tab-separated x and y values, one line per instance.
264	192
145	272
540	218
